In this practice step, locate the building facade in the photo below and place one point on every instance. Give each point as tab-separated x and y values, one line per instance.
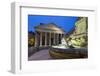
79	36
48	35
81	28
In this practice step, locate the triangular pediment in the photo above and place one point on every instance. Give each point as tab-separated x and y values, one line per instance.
50	27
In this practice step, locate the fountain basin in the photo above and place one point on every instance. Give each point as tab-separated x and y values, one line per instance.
68	53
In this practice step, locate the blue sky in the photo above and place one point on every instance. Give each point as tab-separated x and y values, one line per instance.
66	22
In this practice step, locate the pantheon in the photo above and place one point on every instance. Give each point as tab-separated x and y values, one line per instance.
48	35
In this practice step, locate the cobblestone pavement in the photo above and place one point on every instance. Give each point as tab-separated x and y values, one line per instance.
41	55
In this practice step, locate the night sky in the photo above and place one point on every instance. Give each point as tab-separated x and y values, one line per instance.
66	22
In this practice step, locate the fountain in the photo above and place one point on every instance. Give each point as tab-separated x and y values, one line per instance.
63	44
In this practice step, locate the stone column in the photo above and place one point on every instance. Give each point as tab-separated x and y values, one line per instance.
35	39
40	38
50	39
57	38
45	38
54	39
61	36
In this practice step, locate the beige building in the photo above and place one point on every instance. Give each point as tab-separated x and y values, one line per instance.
78	36
81	28
48	35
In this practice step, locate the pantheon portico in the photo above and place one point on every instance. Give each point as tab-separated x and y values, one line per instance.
48	35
